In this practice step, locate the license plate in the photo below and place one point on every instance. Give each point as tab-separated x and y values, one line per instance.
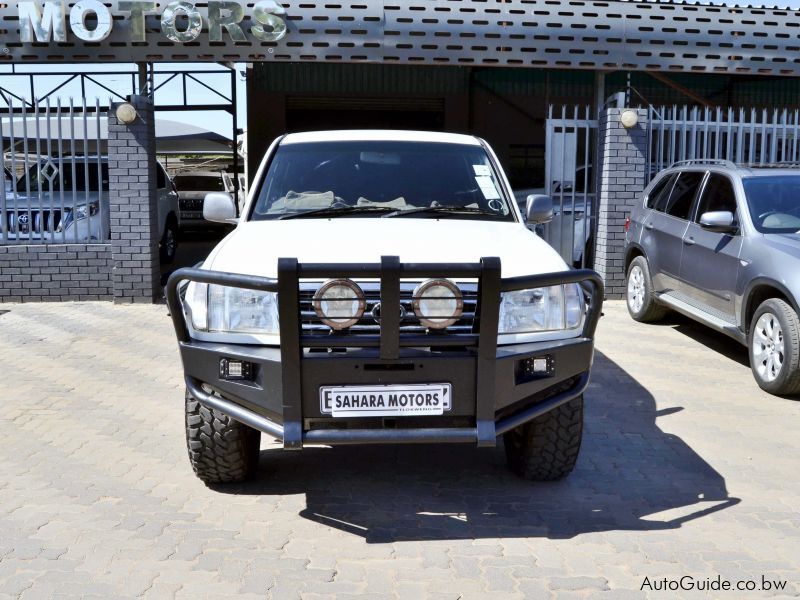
400	400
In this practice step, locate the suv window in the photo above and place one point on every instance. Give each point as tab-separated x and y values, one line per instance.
683	193
199	183
79	174
656	199
717	195
772	201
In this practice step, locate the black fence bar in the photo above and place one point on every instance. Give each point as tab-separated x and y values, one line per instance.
292	344
585	277
390	307
511	284
589	280
508	423
433	435
374	341
239	413
249	282
291	352
373	270
489	311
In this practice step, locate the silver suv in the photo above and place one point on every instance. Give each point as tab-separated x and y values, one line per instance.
720	243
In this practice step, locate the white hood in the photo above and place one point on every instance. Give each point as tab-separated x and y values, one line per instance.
254	247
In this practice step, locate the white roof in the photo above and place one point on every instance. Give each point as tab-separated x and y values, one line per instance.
380	135
172	137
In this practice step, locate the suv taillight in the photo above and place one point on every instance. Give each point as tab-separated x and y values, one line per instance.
627	223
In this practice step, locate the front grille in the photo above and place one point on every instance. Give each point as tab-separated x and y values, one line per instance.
191	203
368	324
36	221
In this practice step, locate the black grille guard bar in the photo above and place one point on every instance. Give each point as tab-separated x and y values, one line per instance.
389	271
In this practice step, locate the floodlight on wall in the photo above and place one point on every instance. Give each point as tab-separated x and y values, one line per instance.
126	113
629	118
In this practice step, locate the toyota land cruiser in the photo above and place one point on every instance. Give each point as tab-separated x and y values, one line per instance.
381	287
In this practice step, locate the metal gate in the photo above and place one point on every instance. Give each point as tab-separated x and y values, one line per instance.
570	149
677	133
55	173
743	136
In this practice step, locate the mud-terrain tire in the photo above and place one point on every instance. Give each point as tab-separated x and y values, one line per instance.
221	449
774	346
547	448
639	295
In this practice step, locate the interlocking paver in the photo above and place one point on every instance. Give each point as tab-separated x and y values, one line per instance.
687	468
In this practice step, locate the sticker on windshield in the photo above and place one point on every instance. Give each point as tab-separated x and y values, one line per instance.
487	188
482	170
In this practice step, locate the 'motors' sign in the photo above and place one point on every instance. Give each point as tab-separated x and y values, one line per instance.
181	22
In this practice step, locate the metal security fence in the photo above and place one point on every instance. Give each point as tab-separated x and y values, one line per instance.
55	173
570	148
743	136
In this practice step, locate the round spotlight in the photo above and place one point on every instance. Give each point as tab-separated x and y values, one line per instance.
126	113
629	118
339	303
438	303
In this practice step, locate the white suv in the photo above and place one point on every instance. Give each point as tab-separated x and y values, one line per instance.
65	200
382	287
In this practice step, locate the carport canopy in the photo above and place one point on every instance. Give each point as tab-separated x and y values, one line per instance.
172	137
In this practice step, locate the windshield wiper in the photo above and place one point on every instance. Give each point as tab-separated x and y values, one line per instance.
465	210
335	211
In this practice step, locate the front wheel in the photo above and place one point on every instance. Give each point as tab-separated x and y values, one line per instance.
168	246
774	344
546	448
640	296
221	449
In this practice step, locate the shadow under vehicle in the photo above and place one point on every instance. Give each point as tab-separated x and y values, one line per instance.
631	476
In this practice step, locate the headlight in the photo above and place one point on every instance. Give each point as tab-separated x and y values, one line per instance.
218	308
81	212
339	303
559	307
438	303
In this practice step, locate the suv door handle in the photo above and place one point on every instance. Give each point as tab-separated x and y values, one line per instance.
648	225
689	241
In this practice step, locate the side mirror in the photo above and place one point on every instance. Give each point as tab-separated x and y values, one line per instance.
718	221
219	207
539	209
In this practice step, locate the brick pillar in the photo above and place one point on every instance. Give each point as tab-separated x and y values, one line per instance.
133	210
623	156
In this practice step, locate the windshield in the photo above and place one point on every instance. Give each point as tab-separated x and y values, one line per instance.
199	183
47	177
376	178
774	202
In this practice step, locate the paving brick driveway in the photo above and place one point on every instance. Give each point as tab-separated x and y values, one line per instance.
686	469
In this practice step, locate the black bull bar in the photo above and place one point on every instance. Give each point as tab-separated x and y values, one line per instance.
483	341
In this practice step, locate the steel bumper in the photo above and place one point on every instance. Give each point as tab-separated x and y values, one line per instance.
492	390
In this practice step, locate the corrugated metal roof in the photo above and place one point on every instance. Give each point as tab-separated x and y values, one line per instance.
790	6
563	34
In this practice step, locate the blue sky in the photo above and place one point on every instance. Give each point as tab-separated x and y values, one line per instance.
217	121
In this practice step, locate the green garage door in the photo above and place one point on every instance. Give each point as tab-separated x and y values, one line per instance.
311	113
